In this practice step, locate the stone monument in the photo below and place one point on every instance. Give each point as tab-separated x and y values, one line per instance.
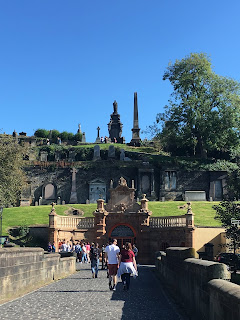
98	140
115	126
73	197
135	130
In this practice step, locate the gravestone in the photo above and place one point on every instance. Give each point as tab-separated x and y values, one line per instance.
32	156
57	156
98	140
122	154
43	156
40	201
83	137
63	203
111	152
87	201
58	201
96	153
36	203
49	192
195	195
71	156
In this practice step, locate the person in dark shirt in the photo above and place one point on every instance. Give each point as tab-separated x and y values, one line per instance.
95	253
127	266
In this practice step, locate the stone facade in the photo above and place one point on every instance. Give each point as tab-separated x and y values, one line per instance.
74	185
127	221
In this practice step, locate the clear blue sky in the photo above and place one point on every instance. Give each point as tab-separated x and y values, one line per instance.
64	62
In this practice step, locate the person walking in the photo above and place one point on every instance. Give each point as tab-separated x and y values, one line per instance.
84	253
135	251
127	266
112	255
94	257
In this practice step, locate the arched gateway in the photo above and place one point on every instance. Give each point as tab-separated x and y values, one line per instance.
123	233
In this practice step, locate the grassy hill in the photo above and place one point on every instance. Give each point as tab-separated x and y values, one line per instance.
20	216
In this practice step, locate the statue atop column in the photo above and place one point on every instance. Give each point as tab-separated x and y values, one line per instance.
115	106
115	125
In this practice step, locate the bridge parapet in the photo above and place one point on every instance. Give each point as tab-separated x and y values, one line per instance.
192	280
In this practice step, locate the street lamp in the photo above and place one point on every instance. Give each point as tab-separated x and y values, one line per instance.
1	213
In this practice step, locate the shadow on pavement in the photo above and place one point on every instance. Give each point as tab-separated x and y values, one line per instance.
145	298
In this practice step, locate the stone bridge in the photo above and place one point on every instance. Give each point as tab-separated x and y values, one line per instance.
79	296
29	290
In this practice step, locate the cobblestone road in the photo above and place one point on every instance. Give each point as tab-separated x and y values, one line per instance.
81	297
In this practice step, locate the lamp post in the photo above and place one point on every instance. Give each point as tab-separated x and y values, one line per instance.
1	213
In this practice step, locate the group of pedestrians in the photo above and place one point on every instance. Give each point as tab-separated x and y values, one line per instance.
82	249
121	263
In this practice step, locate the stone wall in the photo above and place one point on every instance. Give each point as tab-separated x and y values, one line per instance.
25	269
192	280
213	235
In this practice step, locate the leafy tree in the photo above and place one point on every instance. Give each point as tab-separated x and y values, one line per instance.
64	135
225	211
11	174
41	133
78	136
203	112
70	136
54	134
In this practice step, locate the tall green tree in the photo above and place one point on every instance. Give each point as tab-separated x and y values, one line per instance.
225	211
203	112
12	176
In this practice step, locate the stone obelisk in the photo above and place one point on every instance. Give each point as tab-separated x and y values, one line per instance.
73	197
135	130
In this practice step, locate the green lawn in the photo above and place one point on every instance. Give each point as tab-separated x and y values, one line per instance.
204	214
203	211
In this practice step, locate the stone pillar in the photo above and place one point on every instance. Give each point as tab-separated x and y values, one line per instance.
189	231
53	231
152	184
189	217
100	222
144	203
73	197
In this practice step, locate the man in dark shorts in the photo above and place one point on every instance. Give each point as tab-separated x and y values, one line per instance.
112	256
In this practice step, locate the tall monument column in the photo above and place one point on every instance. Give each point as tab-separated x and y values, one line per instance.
115	126
135	130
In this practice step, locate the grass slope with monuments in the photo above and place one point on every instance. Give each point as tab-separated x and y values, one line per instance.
28	216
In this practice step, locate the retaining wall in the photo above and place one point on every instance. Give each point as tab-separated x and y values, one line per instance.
203	286
25	269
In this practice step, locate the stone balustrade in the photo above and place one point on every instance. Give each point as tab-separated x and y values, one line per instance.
168	222
74	222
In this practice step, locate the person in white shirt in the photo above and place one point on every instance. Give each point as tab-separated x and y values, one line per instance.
63	247
112	256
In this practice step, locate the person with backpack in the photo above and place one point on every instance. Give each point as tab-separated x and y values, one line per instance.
94	257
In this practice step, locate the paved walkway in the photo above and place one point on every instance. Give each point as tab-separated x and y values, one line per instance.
81	297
